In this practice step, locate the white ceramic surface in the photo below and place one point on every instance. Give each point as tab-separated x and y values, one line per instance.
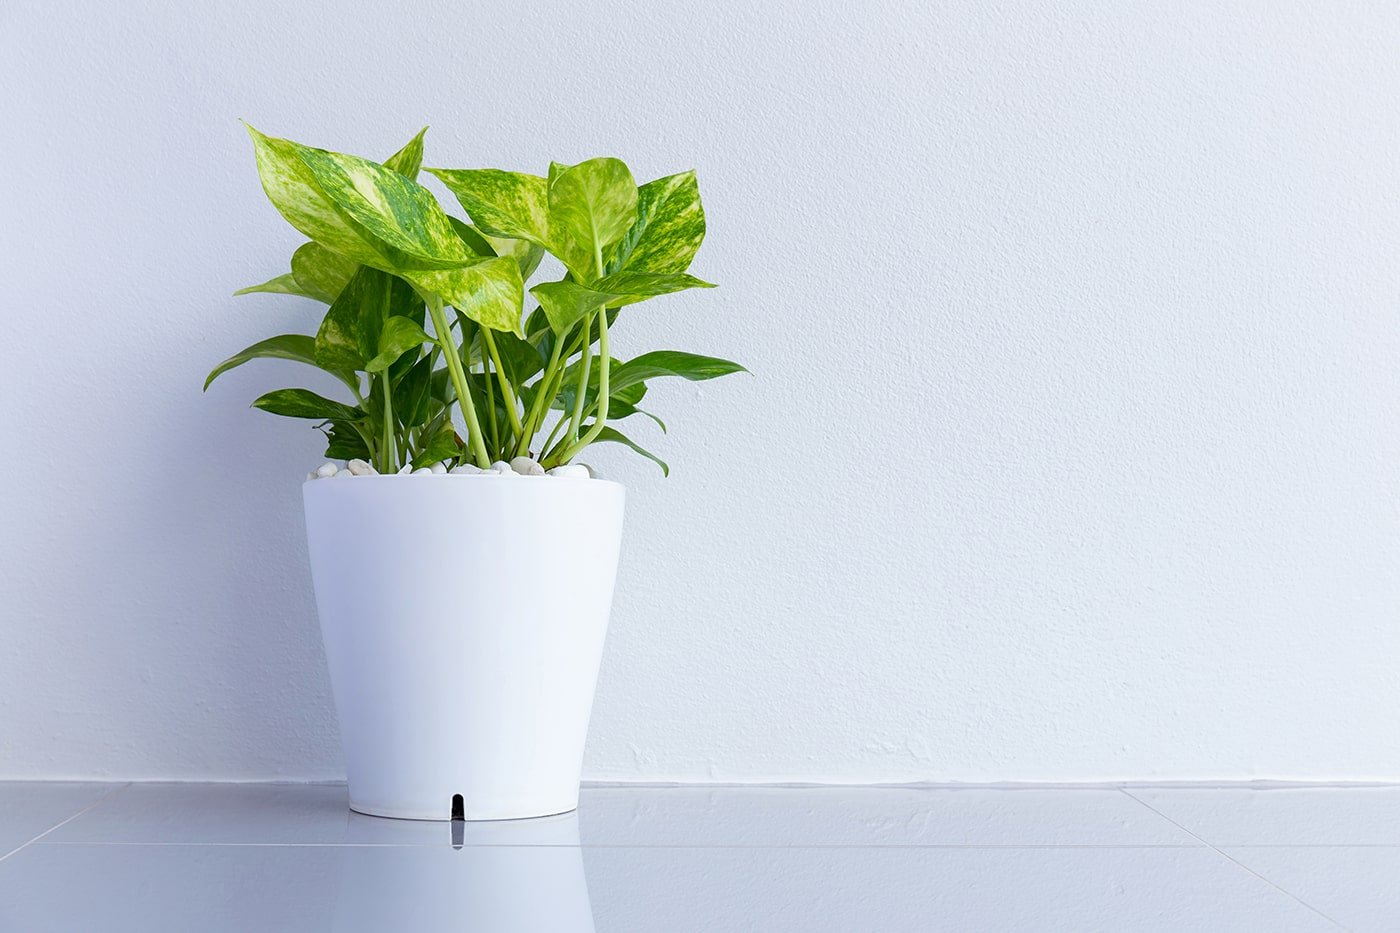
463	619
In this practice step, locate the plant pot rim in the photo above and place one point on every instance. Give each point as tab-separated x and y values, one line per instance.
469	477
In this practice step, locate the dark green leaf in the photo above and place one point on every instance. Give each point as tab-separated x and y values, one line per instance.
343	442
303	403
297	347
617	437
443	445
671	363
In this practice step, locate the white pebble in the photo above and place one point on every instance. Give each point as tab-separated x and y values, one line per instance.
312	475
503	468
438	468
526	467
466	469
343	474
570	471
359	468
422	471
592	473
327	469
406	469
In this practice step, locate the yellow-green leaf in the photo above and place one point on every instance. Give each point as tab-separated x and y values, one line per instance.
284	284
398	335
504	204
408	160
591	206
321	273
566	303
489	291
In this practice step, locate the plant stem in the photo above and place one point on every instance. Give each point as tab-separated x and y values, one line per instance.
605	364
540	405
576	419
491	407
388	460
459	382
549	441
507	391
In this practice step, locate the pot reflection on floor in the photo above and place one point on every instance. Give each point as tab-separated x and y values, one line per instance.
516	875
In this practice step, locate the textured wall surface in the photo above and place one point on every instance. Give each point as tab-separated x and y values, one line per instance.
1071	452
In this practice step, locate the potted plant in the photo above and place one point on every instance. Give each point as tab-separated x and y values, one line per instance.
463	562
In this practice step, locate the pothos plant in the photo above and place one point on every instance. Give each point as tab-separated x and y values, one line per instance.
426	326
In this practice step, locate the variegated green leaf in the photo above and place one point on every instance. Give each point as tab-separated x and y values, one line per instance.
504	204
631	287
401	215
525	253
566	303
489	291
293	189
365	212
338	341
408	160
321	273
669	229
349	334
284	284
474	239
591	206
398	335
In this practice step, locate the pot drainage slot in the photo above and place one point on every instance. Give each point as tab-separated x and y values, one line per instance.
459	810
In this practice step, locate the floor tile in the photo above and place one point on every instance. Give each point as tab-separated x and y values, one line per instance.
1238	816
359	889
282	814
30	808
1355	885
847	816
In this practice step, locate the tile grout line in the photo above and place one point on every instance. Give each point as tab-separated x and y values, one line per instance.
96	803
625	845
1231	859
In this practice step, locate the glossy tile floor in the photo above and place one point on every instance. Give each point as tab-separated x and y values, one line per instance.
229	857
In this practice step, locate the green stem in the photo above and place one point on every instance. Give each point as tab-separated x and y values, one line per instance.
539	406
605	362
507	391
549	441
576	419
491	408
388	460
459	382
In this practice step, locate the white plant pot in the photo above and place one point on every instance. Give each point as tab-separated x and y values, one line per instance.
463	619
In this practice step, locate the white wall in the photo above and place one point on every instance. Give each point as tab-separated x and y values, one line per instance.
1071	452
